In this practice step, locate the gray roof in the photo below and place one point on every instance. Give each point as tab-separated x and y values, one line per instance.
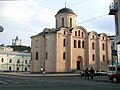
65	10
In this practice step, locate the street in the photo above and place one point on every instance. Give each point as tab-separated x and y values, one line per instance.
9	82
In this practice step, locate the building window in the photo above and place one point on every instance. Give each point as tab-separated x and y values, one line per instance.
64	55
79	33
26	62
75	44
75	33
79	44
93	36
17	68
83	44
103	46
103	38
93	45
103	58
63	22
2	59
25	68
70	22
93	57
10	68
82	34
46	55
36	56
64	32
10	61
18	61
64	41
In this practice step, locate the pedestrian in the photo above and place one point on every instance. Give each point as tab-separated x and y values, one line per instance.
87	73
42	70
92	72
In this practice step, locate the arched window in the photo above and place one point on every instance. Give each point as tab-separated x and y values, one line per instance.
103	58
79	33
93	36
17	68
70	22
2	59
93	57
79	44
18	61
25	68
64	55
26	62
103	46
10	68
64	32
82	34
10	61
93	45
83	44
63	22
64	41
75	33
75	44
36	56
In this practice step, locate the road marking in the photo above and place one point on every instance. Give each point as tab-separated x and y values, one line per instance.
3	82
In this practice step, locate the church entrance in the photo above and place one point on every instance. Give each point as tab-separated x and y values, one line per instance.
79	63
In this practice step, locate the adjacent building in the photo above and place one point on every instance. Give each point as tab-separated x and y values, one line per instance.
13	61
68	47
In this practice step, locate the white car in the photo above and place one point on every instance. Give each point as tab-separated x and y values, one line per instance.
100	72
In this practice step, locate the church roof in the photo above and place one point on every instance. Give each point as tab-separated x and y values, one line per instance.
65	10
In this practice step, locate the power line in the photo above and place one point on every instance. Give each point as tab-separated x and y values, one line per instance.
38	14
92	19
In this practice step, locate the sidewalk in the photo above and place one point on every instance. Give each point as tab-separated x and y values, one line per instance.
33	75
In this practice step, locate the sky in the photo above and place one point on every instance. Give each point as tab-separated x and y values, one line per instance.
26	18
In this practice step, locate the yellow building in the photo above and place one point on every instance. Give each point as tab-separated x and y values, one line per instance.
68	47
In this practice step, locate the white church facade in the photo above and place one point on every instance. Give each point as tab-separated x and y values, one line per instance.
68	47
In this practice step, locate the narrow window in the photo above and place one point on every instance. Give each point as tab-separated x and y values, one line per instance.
18	61
64	55
64	41
82	34
103	58
83	44
2	60
75	33
93	57
64	32
79	44
75	45
26	61
10	61
70	22
79	33
10	68
63	22
103	46
93	45
93	37
36	56
36	44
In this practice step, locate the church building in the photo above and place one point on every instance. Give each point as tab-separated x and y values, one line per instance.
68	47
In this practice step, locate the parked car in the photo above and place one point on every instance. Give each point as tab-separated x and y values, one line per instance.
115	77
100	73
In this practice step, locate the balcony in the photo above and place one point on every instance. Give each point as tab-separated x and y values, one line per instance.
113	8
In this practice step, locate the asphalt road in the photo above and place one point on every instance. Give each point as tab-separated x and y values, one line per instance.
8	82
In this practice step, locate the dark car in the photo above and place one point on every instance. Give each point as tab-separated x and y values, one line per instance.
115	77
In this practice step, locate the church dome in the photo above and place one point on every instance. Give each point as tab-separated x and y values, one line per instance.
65	10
